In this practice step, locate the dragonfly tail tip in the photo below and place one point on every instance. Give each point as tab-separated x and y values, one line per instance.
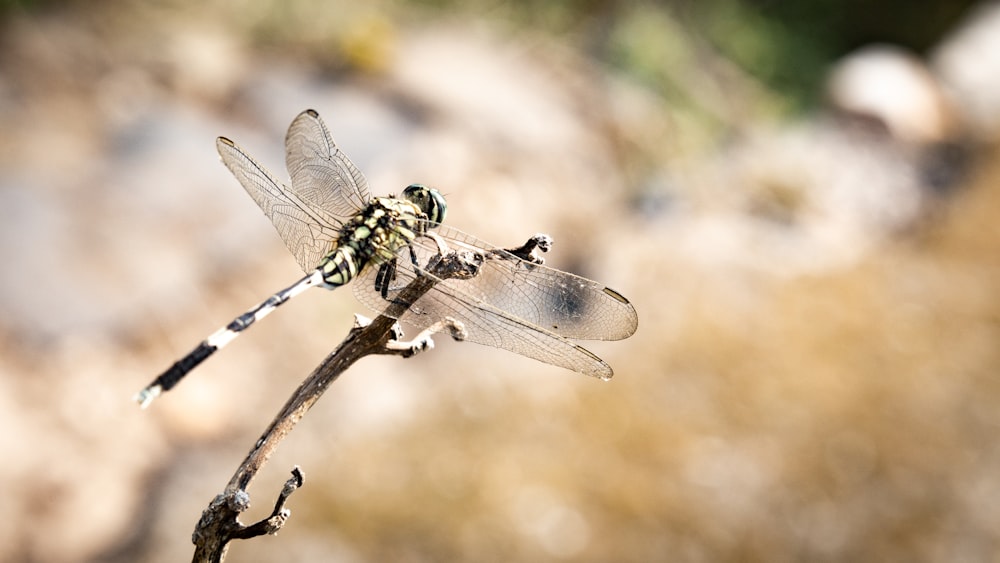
147	395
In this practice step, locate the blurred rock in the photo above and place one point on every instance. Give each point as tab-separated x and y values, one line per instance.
968	64
894	87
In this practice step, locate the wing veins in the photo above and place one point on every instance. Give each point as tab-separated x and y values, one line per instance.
306	230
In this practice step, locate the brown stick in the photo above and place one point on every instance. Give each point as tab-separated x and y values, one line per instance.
219	523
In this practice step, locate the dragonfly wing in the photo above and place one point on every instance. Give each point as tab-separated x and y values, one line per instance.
496	320
322	175
560	302
484	324
308	232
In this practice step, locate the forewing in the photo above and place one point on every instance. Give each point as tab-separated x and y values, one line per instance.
564	303
322	175
307	231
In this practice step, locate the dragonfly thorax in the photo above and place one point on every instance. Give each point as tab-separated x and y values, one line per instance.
373	236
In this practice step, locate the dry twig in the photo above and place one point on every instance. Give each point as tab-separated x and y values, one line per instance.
219	523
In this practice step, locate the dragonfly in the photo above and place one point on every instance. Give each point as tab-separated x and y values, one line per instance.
340	234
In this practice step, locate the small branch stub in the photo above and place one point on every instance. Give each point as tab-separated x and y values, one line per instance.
424	340
219	523
279	515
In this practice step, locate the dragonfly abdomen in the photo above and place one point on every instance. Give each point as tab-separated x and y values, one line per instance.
340	266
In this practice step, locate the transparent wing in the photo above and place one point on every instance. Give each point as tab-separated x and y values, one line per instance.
564	303
511	304
307	230
322	175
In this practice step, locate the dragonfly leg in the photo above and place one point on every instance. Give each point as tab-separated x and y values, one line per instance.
386	274
419	268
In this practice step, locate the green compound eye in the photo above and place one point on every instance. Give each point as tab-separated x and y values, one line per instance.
429	200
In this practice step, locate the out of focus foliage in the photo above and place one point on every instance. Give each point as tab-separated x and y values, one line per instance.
787	46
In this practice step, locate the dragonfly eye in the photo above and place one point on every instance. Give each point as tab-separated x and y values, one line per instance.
429	200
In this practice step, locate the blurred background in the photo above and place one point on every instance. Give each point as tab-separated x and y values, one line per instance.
801	200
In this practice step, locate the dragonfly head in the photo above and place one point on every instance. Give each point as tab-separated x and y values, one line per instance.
429	200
